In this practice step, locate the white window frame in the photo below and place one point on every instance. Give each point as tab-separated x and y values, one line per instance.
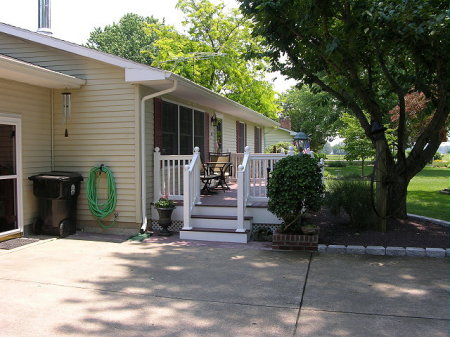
12	119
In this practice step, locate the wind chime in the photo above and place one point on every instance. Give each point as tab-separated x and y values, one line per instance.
66	109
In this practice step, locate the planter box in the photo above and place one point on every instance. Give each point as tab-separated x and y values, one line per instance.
295	242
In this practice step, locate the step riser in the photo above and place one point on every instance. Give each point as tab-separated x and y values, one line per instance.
214	236
218	223
211	210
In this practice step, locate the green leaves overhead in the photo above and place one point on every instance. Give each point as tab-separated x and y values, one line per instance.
219	52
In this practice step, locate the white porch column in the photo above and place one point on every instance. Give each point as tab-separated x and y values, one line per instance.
156	174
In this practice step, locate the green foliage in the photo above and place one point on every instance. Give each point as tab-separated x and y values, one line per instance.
126	39
218	52
320	155
295	186
336	163
438	156
164	203
279	147
315	113
353	197
368	55
357	145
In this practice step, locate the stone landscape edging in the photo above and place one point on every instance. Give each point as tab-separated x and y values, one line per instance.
388	251
435	221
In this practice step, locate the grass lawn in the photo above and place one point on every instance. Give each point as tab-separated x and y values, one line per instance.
423	193
423	190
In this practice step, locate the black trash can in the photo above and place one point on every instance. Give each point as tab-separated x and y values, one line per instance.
57	193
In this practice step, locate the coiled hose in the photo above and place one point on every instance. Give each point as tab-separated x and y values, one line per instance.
97	209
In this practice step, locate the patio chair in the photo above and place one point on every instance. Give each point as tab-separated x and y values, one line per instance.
207	175
220	163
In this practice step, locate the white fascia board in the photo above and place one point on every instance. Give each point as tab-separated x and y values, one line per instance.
139	75
72	47
24	72
292	133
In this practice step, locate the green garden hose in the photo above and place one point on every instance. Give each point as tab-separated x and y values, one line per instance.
101	210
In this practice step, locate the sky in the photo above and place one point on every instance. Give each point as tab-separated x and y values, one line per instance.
74	20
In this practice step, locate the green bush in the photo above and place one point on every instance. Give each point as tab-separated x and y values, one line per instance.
354	197
295	186
438	156
336	163
320	155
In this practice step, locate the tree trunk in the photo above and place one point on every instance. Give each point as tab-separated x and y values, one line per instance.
397	190
381	193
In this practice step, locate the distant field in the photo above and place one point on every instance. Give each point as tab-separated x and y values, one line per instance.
335	157
423	190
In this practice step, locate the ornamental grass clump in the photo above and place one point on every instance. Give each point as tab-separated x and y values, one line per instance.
354	197
295	187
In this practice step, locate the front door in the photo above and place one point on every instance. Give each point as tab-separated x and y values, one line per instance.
10	177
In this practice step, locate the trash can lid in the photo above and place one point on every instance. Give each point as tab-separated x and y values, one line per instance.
57	175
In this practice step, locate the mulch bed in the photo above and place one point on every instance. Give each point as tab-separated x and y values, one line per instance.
334	230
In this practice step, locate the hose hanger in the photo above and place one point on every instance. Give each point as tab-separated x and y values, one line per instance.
101	210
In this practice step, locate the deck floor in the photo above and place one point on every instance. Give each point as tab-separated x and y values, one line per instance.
225	198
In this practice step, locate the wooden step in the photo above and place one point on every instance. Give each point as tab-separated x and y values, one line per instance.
219	221
215	234
222	217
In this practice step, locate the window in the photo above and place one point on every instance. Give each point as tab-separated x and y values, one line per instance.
181	129
241	137
258	140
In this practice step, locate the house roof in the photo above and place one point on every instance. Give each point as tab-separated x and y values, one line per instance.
149	76
25	72
292	133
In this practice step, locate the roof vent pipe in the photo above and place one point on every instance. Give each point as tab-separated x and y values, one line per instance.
44	22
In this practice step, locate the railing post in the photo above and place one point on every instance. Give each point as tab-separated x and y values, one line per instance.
291	151
156	174
322	169
243	187
186	199
240	199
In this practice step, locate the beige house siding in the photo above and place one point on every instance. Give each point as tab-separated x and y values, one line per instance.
103	129
273	136
33	105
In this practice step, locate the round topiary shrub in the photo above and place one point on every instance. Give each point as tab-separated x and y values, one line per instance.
295	187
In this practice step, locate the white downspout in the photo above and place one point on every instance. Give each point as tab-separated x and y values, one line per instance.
142	140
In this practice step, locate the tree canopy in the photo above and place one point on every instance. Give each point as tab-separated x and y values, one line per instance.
127	38
315	113
369	55
217	51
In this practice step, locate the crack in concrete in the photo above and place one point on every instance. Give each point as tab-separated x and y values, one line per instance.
375	314
303	294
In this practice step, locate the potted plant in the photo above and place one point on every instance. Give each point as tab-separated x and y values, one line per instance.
295	187
165	207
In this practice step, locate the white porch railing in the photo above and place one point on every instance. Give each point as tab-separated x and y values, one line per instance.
236	160
191	195
168	174
252	177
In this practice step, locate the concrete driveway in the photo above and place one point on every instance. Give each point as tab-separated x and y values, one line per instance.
89	285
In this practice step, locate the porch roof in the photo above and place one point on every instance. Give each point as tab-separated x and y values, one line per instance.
15	70
190	91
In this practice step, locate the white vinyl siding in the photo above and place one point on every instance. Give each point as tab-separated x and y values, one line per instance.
33	105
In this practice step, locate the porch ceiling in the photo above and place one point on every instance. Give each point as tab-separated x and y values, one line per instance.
16	70
192	92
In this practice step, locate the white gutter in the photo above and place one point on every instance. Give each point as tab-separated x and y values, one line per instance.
142	141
